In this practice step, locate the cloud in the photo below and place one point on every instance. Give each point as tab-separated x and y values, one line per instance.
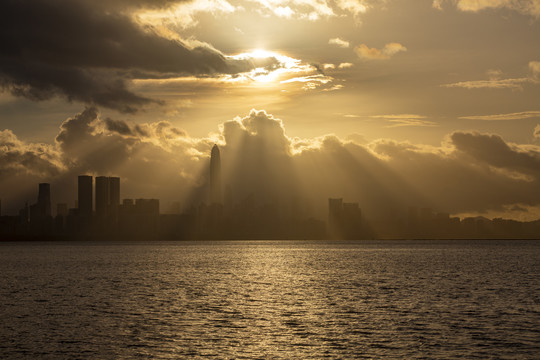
513	84
527	7
90	53
183	14
345	65
20	158
494	151
118	126
339	42
311	81
389	50
339	66
473	171
398	120
534	67
285	12
537	132
495	82
355	7
510	116
297	9
437	4
313	10
334	88
469	172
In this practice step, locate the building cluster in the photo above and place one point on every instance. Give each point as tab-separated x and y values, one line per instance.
345	222
99	214
108	218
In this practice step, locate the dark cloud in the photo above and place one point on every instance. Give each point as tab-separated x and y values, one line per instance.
494	151
19	158
118	126
87	53
22	166
87	149
76	130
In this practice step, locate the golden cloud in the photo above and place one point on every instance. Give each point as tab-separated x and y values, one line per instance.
389	50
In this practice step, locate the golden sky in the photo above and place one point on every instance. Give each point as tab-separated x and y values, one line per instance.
427	102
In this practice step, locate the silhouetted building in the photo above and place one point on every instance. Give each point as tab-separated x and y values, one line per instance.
61	209
335	210
102	196
39	215
85	195
139	219
215	176
114	197
247	219
44	200
114	190
175	208
60	221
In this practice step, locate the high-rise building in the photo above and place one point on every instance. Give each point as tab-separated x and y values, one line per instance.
85	195
335	216
215	176
114	198
61	209
44	199
102	196
114	191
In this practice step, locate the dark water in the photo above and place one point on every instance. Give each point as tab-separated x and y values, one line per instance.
276	300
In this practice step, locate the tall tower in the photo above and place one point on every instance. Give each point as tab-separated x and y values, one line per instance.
85	195
335	217
114	192
114	199
44	199
102	196
215	176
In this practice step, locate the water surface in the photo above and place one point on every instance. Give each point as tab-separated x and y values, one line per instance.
273	299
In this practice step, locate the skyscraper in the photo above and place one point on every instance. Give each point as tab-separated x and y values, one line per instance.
114	198
215	176
114	192
61	209
44	199
335	217
85	195
102	196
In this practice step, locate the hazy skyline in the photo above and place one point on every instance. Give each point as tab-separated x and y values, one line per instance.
388	103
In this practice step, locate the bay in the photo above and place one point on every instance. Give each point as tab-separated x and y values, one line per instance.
270	299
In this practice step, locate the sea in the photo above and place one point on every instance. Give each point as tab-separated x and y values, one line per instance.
270	300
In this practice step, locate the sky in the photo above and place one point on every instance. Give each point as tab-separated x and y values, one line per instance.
389	103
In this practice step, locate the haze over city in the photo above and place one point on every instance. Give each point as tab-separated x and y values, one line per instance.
390	104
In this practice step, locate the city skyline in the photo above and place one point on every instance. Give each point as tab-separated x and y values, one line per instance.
99	214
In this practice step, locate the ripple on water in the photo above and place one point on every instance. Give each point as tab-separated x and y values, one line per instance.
283	300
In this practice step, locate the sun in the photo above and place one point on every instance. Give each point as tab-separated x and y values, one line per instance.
262	54
270	67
